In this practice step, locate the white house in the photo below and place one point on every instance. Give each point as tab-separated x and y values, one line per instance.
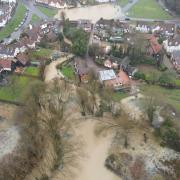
172	44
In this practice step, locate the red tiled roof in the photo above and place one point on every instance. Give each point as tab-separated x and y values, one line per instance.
5	63
120	80
155	47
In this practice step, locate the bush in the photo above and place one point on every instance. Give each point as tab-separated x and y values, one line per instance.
171	139
139	75
162	67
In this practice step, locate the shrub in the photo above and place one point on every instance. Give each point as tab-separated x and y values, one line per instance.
171	139
139	75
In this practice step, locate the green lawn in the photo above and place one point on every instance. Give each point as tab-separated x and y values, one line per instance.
122	3
14	91
14	22
149	9
118	96
34	71
67	71
34	19
171	96
41	53
48	11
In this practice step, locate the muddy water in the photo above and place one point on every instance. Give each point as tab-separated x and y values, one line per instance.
93	13
92	167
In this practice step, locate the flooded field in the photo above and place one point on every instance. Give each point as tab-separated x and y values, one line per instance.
93	13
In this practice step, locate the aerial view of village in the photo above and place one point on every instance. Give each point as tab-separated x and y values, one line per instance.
89	89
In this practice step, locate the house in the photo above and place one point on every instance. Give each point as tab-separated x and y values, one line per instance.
172	44
59	4
175	58
6	51
154	47
6	9
143	26
86	25
5	65
117	82
106	75
110	30
164	29
108	63
22	59
81	70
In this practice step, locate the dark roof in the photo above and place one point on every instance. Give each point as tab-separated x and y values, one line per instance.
8	50
22	58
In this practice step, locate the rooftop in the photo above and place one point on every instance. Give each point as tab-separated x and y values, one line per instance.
107	75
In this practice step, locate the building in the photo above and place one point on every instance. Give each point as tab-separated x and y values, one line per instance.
154	47
6	9
164	29
59	4
143	26
5	65
86	25
117	82
172	44
175	58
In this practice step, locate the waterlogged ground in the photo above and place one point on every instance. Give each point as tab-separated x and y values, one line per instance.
93	13
96	151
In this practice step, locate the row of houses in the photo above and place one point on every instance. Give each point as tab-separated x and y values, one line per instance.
161	28
59	4
7	8
110	30
15	53
172	48
169	33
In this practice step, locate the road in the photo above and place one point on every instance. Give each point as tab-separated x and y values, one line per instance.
129	6
32	9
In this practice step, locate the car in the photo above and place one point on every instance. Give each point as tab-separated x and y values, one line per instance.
127	19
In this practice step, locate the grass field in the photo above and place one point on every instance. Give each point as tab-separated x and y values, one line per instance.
41	53
14	22
149	9
34	19
122	3
48	11
68	71
170	96
34	71
14	90
118	96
